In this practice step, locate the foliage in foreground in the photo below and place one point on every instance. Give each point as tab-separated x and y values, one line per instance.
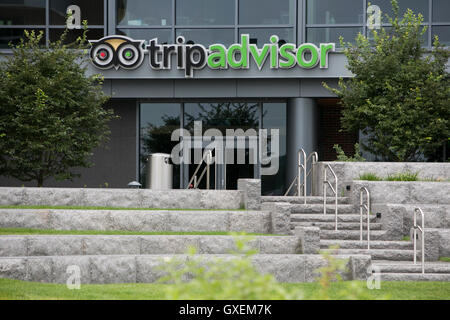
237	278
400	93
52	113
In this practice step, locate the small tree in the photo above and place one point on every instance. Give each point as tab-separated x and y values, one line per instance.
399	95
52	114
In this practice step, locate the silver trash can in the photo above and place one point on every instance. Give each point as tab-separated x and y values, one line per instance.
159	171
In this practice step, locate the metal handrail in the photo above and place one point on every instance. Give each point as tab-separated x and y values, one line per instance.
422	230
335	189
208	156
303	167
365	206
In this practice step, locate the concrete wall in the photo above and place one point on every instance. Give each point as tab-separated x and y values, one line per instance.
349	171
127	198
114	162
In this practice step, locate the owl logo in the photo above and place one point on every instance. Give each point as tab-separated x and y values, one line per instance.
117	52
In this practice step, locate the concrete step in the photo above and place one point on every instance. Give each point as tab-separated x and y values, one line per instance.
67	245
356	244
376	254
300	200
318	208
352	235
320	217
138	220
341	225
101	269
411	268
415	277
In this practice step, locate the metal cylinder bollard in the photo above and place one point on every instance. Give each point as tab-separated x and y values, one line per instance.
159	171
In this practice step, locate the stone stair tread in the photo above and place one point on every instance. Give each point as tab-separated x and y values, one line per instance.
300	200
320	217
388	254
318	208
411	268
352	235
341	225
415	277
352	244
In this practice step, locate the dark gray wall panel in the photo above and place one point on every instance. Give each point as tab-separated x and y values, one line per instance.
196	88
313	88
132	88
115	164
280	88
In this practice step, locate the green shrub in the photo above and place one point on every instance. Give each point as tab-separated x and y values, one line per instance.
357	157
403	176
369	177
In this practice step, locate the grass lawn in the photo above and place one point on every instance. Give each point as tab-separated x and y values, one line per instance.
445	259
110	208
14	289
20	231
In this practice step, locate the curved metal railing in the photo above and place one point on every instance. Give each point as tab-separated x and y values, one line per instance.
364	206
422	231
326	183
303	171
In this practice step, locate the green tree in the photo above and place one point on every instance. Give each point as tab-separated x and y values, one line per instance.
400	94
52	114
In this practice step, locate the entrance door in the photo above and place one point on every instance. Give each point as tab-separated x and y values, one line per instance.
234	126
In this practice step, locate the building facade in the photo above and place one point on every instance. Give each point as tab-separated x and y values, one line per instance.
153	102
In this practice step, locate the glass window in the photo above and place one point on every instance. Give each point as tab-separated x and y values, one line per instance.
267	12
8	35
207	37
441	11
417	6
443	32
144	13
322	35
164	35
205	12
274	117
157	122
91	10
261	36
333	12
13	12
222	115
93	34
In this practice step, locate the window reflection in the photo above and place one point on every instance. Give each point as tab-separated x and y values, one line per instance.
164	35
266	12
417	6
207	37
333	12
261	36
22	13
144	13
441	11
205	12
157	122
91	10
323	35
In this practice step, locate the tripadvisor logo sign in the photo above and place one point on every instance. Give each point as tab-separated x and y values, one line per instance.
126	53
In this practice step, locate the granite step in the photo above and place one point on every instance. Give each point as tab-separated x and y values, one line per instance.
67	245
356	244
318	208
352	235
437	277
300	200
103	269
138	220
408	267
341	225
376	254
320	217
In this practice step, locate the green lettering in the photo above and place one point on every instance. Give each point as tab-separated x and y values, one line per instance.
287	51
324	49
218	57
259	56
313	50
242	49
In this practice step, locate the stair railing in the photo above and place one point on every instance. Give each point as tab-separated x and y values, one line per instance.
364	206
422	231
303	171
207	159
334	189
